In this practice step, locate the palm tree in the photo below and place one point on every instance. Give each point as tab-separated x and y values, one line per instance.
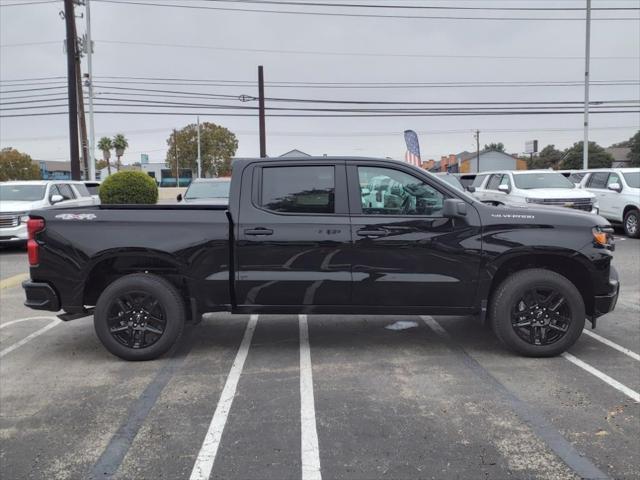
105	144
120	143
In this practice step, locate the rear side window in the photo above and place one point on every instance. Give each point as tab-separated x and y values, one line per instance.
82	190
576	177
298	189
478	180
598	180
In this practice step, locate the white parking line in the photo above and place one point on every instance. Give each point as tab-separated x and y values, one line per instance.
310	451
29	337
20	320
207	455
613	345
635	396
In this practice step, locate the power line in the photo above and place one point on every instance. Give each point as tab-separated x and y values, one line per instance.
36	2
356	15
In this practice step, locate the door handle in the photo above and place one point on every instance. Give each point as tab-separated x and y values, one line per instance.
258	231
371	232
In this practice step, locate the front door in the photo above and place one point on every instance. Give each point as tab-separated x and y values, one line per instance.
405	253
293	235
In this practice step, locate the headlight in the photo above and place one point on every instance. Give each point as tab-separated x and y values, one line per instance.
24	218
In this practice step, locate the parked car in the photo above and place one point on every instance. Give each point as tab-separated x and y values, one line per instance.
299	236
17	198
93	187
618	193
574	176
451	179
211	191
525	187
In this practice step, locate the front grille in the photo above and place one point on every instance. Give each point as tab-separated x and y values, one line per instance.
576	203
8	220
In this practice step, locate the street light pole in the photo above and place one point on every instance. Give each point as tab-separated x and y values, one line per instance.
92	133
199	157
72	88
585	146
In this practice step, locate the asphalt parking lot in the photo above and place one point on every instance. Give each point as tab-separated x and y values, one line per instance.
279	397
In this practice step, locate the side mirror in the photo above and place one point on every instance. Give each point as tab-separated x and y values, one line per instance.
616	187
504	188
179	197
454	208
471	189
56	199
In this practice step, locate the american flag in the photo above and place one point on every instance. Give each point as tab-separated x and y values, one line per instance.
413	148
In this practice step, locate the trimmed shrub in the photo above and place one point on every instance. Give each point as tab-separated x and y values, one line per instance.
129	187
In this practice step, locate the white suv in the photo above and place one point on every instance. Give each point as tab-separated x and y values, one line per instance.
618	192
524	187
19	197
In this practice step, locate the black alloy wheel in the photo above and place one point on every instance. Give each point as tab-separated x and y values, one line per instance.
136	319
541	316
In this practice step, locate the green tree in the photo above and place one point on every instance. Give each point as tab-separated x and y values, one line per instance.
15	165
598	157
549	157
498	147
105	144
634	154
217	146
120	143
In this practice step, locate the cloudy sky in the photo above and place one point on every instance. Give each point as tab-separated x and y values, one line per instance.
202	45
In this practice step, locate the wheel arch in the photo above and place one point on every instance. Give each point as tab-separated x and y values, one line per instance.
570	267
628	208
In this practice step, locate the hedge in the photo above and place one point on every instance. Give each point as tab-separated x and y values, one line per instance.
128	187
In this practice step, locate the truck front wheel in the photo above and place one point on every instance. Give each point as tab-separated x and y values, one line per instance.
139	317
537	313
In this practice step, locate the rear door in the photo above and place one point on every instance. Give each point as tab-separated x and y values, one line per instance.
293	235
405	252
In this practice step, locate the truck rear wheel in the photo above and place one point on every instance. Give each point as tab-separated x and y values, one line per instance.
139	317
537	313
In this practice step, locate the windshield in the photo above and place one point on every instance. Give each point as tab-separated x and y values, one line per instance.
632	179
21	193
208	190
528	181
452	180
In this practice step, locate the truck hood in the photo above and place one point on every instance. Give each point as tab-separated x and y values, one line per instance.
547	215
552	193
14	206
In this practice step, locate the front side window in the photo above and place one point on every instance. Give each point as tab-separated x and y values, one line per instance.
385	191
66	192
298	189
613	178
598	180
493	182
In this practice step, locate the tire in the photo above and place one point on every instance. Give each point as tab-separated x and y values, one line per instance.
152	318
631	223
508	317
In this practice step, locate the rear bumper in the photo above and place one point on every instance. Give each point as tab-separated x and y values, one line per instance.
41	296
606	303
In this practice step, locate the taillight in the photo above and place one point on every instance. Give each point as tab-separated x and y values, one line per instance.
34	225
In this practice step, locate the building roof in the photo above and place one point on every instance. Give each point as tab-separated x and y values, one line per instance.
54	165
295	153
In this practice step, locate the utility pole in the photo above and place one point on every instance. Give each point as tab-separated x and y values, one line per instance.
263	140
587	55
92	133
175	152
477	135
72	88
199	157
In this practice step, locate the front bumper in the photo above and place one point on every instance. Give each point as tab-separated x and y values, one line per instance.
41	296
13	234
606	303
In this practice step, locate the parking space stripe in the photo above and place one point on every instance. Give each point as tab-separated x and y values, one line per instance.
20	320
13	281
28	338
613	345
207	455
113	455
603	376
310	451
581	465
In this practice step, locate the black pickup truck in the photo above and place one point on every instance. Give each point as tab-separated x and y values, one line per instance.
326	236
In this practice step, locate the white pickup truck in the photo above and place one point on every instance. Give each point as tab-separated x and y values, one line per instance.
524	187
618	193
